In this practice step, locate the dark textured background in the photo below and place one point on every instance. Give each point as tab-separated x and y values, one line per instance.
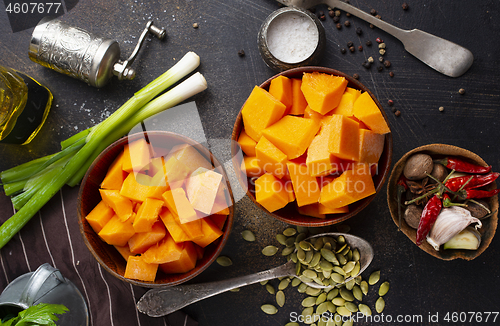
420	284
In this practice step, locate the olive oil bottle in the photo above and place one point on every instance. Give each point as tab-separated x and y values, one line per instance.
24	106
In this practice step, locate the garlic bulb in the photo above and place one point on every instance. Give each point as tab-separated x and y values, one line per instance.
449	223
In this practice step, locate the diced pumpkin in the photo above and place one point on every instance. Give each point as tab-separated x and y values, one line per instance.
115	175
315	116
355	92
250	165
165	251
169	202
345	106
319	160
176	171
218	219
299	102
121	205
99	216
260	111
173	227
210	233
343	137
247	144
136	187
138	269
292	135
158	186
322	91
270	192
124	251
366	110
116	232
322	209
371	146
136	155
155	166
185	263
270	158
201	189
281	88
289	189
222	203
305	187
190	157
185	210
140	242
200	251
147	215
192	229
311	210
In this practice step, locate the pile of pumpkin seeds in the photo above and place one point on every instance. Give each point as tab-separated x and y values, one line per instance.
325	261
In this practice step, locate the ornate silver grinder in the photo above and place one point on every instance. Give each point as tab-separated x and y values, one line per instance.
82	55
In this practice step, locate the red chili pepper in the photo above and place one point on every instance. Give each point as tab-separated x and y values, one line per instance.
459	165
477	194
429	216
448	203
476	181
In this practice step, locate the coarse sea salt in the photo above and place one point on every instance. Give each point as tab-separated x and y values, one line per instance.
292	38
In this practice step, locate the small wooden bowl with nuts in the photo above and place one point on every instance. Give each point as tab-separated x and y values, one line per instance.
417	164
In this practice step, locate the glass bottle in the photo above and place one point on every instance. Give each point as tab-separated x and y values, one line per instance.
24	106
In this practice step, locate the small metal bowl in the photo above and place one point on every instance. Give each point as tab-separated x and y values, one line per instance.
277	64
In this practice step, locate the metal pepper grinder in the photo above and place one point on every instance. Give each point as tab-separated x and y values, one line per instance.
82	55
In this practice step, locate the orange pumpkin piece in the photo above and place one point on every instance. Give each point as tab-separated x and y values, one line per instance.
299	102
311	210
250	165
222	203
158	186
165	251
305	187
270	158
138	269
185	263
169	202
345	106
173	228
355	92
99	216
270	192
247	144
371	146
122	206
322	209
311	114
210	233
190	157
136	187
115	175
281	89
155	166
292	135
219	220
136	155
343	137
175	170
260	111
200	251
323	92
289	189
140	242
201	189
319	160
124	251
191	229
185	210
147	215
366	110
116	232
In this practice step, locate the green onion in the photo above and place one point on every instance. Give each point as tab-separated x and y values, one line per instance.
72	165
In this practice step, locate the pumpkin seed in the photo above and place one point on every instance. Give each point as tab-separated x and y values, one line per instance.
338	301
269	309
263	282
326	273
383	289
356	269
300	237
322	308
283	284
356	291
307	312
374	277
348	322
306	246
298	266
224	261
315	260
302	288
327	246
321	298
365	310
309	273
318	244
337	277
338	320
331	307
312	319
248	235
356	255
281	239
292	324
289	232
332	294
358	279
309	302
350	284
301	254
302	229
346	294
280	298
313	291
364	287
340	239
287	251
341	259
309	257
346	250
348	256
325	265
270	289
235	290
351	307
269	251
343	311
349	266
305	279
380	304
296	282
341	248
293	257
290	242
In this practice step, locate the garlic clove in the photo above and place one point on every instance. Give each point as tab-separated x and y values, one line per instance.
469	238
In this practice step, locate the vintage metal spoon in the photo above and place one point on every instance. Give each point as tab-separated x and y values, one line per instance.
160	302
444	56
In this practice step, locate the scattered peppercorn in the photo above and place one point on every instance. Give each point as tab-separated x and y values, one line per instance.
441	109
380	68
195	25
347	14
337	13
461	91
381	59
336	19
405	6
379	40
368	43
359	31
378	16
394	110
397	113
331	13
391	74
352	49
387	63
381	46
241	53
355	76
349	44
347	23
339	26
367	64
360	48
381	51
343	50
370	60
373	12
322	17
390	102
371	26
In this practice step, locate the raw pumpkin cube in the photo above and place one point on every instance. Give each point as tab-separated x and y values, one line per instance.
281	89
222	202
99	216
121	205
165	251
271	159
158	186
322	91
190	157
247	144
124	251
168	201
116	232
260	111
299	102
322	209
355	92
366	110
343	137
345	106
155	166
371	146
289	189
351	186
147	215
250	165
200	251
218	219
292	135
176	171
136	155
201	189
305	187
136	186
210	233
174	228
311	210
138	269
185	263
319	160
315	116
185	210
115	175
140	242
270	192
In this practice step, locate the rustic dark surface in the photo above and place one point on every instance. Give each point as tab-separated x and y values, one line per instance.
421	285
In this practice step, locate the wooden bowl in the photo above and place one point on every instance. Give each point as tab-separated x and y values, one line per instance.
289	214
89	197
439	151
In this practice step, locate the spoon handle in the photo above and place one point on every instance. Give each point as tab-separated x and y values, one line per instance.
160	302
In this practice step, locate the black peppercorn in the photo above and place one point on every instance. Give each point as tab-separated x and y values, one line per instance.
461	91
371	26
380	68
390	102
405	6
368	43
373	12
387	63
394	110
391	74
397	113
349	44
352	49
355	76
347	23
343	50
322	17
336	19
360	48
331	13
367	64
241	53
378	16
339	26
359	31
347	14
